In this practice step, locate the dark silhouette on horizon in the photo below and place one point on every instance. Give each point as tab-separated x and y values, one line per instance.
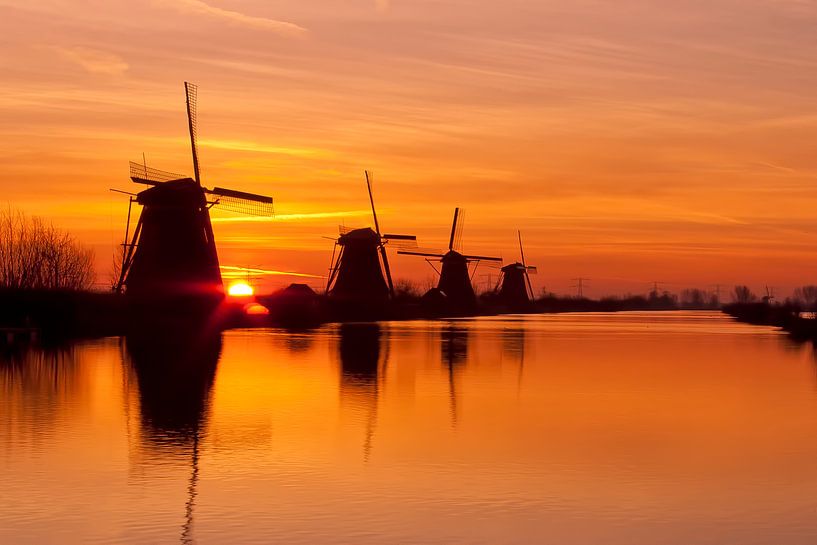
454	293
359	273
172	251
516	290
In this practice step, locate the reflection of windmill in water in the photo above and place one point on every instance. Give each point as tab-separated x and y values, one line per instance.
514	285
362	369
359	271
175	375
172	250
454	291
454	355
513	346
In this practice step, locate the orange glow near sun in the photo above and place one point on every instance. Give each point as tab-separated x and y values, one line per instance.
240	289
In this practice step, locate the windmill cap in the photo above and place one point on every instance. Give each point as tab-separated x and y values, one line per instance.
184	192
365	235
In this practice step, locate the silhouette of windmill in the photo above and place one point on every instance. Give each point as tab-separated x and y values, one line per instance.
516	288
173	250
360	271
455	279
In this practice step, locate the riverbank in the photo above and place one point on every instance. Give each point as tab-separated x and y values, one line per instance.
787	317
82	314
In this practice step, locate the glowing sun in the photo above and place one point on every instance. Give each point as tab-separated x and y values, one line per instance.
240	289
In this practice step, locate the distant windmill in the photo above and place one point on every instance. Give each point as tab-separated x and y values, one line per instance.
173	249
514	284
455	280
360	271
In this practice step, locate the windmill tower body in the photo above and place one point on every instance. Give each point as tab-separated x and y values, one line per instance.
176	253
359	274
455	281
514	288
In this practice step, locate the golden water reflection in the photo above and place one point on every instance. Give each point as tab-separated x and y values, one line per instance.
628	428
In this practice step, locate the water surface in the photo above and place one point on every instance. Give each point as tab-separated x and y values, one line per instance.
653	428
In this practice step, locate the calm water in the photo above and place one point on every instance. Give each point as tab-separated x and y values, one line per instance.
661	428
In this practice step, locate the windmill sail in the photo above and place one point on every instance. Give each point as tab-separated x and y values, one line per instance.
191	92
242	202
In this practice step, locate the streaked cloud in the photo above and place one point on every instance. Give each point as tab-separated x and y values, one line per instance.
294	217
255	147
94	60
236	17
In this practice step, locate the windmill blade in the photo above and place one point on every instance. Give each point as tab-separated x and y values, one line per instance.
371	200
528	270
453	229
482	258
420	253
401	241
143	174
385	256
458	234
242	202
191	92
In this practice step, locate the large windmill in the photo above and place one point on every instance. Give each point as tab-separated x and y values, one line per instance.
455	279
172	250
359	271
514	284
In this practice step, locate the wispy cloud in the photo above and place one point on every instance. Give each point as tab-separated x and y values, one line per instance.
238	145
94	60
236	17
292	217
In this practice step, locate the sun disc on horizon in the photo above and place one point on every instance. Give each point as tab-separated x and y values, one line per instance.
240	289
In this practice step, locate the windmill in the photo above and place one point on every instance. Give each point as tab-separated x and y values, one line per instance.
514	284
359	271
455	279
172	250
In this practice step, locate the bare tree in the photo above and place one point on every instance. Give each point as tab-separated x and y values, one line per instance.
693	298
742	294
37	255
406	289
806	296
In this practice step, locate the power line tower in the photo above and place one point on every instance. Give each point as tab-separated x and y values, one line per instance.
580	284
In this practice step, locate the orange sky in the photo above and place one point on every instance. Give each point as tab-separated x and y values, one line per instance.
631	141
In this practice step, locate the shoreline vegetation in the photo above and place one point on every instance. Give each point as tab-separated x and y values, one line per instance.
60	313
